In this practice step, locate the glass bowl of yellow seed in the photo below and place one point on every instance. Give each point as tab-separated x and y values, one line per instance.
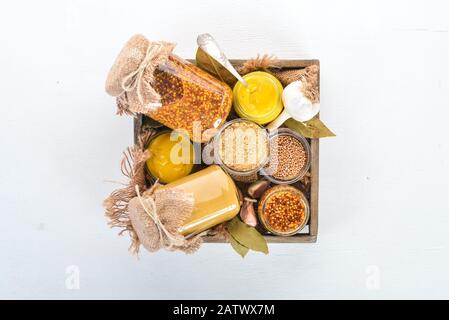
289	157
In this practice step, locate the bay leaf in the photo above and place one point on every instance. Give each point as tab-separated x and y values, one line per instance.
240	249
247	236
314	128
212	66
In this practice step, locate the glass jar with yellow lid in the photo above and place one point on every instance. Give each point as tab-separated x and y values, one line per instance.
261	100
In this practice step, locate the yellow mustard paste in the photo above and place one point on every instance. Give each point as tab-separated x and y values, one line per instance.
261	100
216	198
171	159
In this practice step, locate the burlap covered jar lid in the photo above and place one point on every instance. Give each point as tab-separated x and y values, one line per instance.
127	61
132	71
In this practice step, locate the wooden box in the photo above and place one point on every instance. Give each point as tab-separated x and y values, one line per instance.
310	232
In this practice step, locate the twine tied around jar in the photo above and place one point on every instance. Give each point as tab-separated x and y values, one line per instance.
156	216
134	79
132	74
148	215
152	216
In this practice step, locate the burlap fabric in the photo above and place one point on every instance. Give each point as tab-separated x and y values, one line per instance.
150	216
156	216
131	76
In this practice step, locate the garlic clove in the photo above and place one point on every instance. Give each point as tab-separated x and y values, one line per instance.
296	104
247	214
257	188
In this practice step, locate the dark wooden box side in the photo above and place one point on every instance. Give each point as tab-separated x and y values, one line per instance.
312	234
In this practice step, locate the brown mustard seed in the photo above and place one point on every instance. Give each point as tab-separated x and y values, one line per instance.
288	157
284	211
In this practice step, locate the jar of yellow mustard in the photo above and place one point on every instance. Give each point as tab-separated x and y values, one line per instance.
261	100
171	156
216	199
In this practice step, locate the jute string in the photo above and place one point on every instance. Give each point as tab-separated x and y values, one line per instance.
134	79
152	213
131	77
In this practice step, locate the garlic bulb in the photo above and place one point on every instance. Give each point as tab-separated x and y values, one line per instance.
297	105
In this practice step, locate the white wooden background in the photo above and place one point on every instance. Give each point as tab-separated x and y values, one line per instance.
383	196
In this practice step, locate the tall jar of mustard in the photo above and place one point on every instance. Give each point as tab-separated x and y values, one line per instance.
261	100
148	78
216	199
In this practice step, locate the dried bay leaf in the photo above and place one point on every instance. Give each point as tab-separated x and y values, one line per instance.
240	249
247	236
314	128
212	66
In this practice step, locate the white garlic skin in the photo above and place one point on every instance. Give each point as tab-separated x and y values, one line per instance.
296	104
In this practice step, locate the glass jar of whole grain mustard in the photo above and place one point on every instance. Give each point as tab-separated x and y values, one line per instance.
190	97
283	210
147	78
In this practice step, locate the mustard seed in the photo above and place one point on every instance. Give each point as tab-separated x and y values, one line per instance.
288	157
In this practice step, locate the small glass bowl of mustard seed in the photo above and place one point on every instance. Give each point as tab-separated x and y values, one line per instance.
289	157
283	210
